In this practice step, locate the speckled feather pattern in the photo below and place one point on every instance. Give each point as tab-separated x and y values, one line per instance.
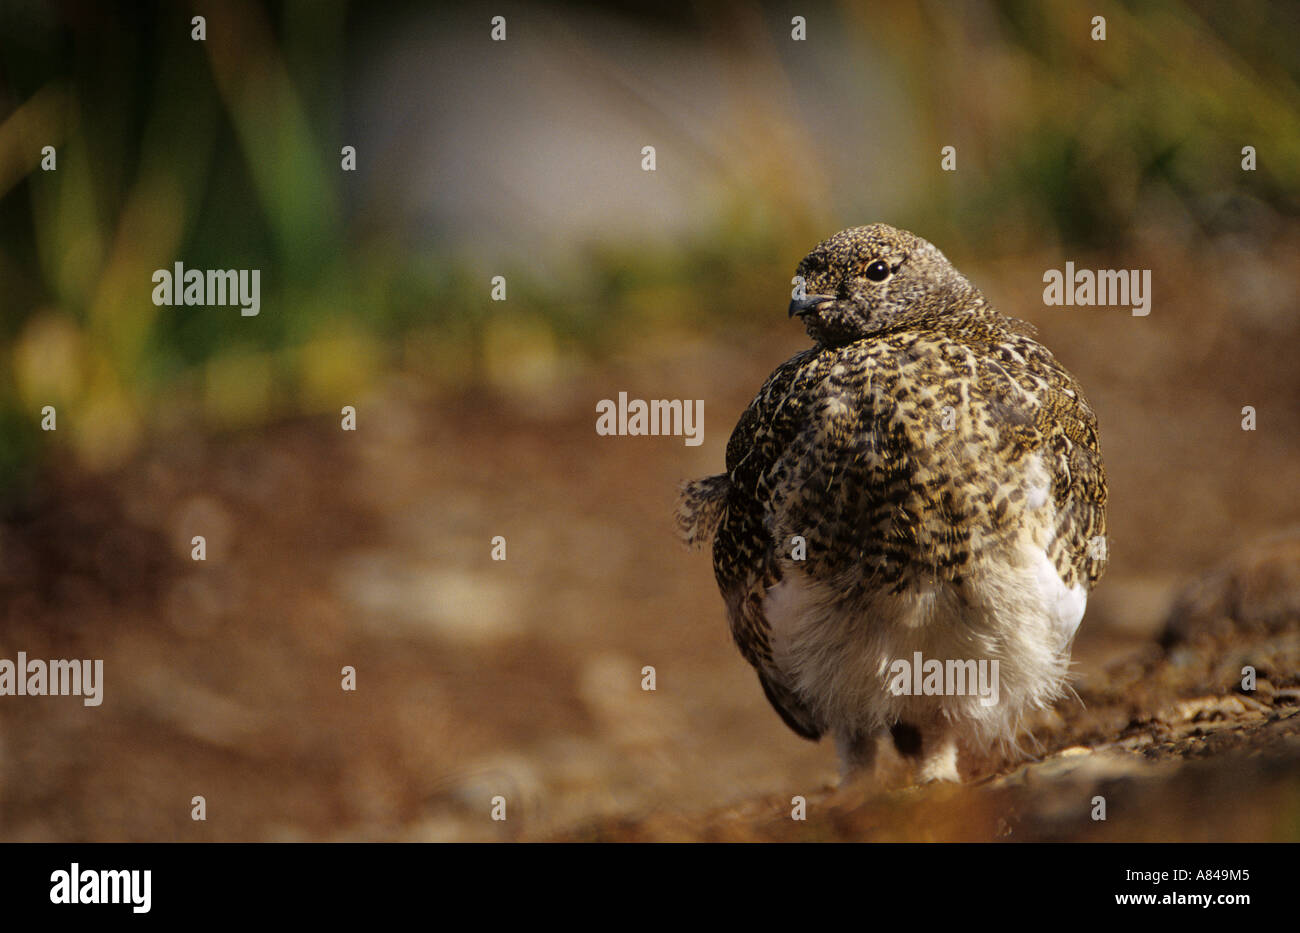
912	448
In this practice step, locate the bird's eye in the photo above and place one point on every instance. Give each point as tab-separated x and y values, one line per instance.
878	271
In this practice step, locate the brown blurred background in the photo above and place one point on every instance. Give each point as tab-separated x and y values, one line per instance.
476	418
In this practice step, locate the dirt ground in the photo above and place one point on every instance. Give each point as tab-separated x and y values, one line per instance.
522	678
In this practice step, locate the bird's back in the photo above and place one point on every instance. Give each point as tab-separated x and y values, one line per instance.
905	455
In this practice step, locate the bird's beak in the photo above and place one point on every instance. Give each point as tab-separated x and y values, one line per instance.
801	306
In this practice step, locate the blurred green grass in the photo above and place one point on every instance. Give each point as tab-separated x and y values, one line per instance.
224	155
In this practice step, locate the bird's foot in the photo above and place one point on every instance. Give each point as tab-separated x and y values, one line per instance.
916	755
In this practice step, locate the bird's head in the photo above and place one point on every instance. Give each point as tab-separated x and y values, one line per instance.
870	279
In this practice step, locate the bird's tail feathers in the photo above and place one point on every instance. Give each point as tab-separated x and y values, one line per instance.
700	508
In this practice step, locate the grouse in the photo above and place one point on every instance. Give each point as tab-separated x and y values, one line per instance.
918	494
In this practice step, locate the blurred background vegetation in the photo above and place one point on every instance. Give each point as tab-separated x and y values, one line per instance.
471	163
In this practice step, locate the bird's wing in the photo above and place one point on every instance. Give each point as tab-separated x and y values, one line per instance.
1068	427
1041	410
794	712
744	552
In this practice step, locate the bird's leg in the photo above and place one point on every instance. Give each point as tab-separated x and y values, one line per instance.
857	754
931	747
941	763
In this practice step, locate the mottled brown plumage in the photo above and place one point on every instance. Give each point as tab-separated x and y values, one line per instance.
942	471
